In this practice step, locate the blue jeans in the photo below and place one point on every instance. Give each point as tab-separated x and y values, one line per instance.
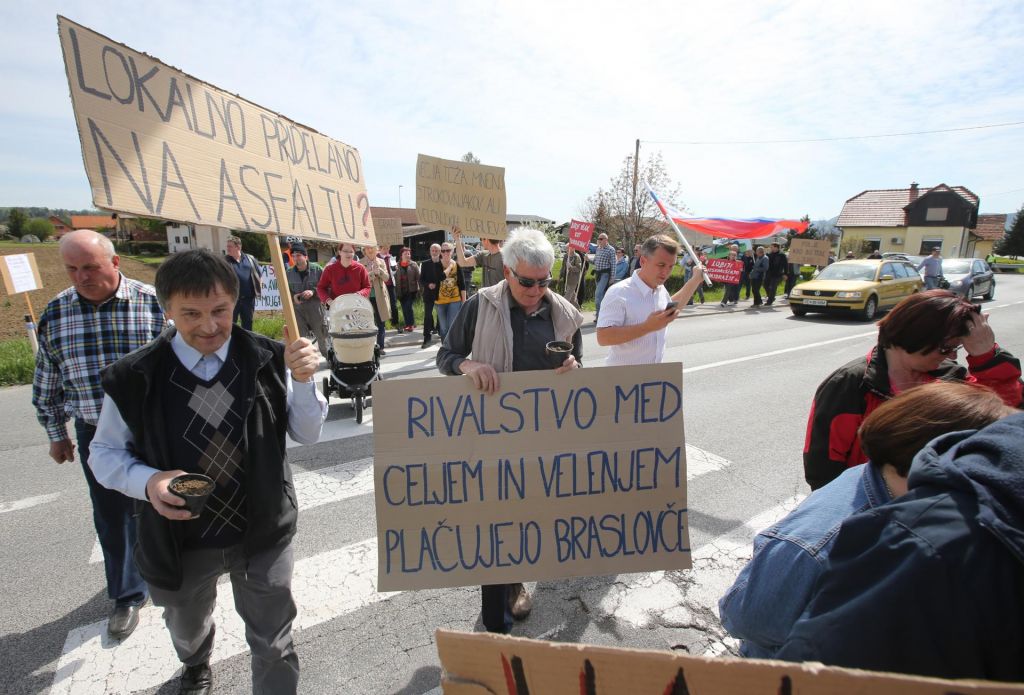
602	287
931	282
244	309
114	519
446	314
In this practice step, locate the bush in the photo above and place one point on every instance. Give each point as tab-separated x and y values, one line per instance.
141	248
17	363
38	227
256	244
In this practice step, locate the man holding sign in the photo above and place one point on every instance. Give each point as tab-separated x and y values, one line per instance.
509	328
638	310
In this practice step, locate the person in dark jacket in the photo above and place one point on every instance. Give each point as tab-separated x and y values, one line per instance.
758	271
431	275
407	286
303	278
208	397
917	343
933	583
748	267
778	267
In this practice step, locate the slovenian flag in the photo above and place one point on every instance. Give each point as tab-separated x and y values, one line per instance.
729	228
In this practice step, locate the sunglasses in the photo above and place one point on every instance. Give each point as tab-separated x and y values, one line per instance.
530	282
446	250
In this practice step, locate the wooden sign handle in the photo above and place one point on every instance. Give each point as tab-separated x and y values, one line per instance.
282	287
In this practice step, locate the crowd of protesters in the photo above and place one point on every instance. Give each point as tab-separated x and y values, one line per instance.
908	556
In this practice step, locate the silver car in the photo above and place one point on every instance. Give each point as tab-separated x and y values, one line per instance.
969	277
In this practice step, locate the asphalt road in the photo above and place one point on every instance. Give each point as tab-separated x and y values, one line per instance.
748	380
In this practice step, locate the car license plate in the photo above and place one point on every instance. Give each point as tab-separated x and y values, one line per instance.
816	302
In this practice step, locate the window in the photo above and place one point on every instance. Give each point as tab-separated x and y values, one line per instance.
871	245
979	267
902	270
928	244
936	214
887	270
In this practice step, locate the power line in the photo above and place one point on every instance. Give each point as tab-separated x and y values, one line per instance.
833	139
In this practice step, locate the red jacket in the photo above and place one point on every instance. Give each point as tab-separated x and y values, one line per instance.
854	390
338	280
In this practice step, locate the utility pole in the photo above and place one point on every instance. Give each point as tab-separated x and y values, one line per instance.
632	212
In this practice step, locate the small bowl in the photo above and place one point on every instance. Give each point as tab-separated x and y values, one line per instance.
195	489
558	351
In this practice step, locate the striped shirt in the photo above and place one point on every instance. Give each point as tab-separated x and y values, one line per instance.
604	258
77	339
628	303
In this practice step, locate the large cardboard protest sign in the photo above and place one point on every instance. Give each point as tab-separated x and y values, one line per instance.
577	474
20	273
580	234
725	271
389	231
481	664
809	251
160	143
470	196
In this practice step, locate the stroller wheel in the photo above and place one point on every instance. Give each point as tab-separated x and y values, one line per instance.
326	387
357	401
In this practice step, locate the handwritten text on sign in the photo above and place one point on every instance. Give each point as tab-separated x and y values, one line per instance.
160	143
554	476
580	234
270	293
470	196
724	270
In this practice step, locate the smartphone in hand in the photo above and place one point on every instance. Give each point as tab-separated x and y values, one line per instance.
671	306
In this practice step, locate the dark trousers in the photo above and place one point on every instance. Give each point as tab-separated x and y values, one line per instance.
771	284
244	309
494	612
310	317
790	281
732	293
394	307
380	324
262	587
407	310
745	285
429	326
114	519
755	284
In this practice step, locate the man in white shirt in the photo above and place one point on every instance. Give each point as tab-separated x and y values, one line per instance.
636	312
212	398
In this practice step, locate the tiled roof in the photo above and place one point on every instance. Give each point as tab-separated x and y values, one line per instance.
524	219
92	222
407	215
991	227
885	207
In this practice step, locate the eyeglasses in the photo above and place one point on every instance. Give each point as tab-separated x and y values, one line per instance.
530	282
446	250
949	350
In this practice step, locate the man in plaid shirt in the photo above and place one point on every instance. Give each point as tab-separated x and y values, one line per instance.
99	319
604	260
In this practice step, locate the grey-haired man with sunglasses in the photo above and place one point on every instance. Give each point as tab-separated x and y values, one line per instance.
506	328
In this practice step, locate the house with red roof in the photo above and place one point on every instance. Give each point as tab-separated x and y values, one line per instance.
914	221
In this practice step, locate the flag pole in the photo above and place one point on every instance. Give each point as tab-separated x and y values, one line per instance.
686	244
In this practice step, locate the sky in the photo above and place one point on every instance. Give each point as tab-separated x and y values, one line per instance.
557	93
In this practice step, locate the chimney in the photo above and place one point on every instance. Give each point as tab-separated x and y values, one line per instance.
913	192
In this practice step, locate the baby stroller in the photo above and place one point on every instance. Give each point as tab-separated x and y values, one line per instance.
353	354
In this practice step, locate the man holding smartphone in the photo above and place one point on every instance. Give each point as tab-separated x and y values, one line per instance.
637	311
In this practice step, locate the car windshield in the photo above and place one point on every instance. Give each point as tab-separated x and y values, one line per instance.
956	266
851	271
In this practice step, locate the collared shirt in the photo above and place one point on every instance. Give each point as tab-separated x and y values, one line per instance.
77	339
628	303
932	266
604	258
247	273
111	454
776	586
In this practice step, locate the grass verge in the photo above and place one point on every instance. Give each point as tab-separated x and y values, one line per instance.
16	362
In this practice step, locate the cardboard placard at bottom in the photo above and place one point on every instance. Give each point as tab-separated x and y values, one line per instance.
486	664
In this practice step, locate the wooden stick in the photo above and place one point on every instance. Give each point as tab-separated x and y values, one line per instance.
277	260
30	311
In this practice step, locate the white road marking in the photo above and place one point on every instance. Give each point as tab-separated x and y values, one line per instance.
325	587
27	502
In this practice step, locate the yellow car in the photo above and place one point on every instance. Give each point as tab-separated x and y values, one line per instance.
856	287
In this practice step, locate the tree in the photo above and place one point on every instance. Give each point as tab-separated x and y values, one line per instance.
39	227
470	158
1013	243
16	220
256	244
614	204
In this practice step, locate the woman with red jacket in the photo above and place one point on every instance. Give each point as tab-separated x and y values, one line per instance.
343	276
917	343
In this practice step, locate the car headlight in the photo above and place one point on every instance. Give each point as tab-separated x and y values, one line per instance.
956	283
849	295
796	293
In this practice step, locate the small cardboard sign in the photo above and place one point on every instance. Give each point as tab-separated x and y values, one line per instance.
389	231
578	474
580	234
725	271
20	273
482	663
470	196
160	143
809	251
270	294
